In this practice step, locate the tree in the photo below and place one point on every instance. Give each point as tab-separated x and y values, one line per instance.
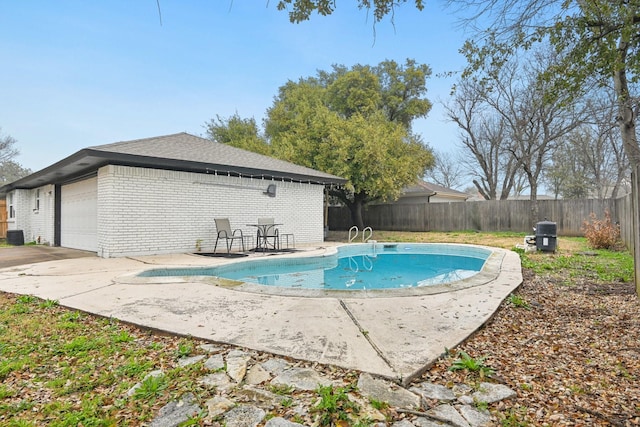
397	90
238	132
7	147
596	37
537	115
301	10
9	169
567	174
483	140
603	151
347	122
448	170
513	119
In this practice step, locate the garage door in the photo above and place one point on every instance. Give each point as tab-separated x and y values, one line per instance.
79	215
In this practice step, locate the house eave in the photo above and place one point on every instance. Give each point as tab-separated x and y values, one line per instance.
88	161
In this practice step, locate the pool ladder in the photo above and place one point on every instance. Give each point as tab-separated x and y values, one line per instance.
353	234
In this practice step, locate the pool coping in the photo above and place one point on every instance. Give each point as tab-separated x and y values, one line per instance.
490	271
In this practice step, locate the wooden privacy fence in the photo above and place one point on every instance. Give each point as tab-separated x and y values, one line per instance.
490	215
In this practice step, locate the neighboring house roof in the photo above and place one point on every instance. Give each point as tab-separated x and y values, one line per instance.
181	151
479	198
423	188
528	197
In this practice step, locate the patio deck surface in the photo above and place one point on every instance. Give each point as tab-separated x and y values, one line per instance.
394	335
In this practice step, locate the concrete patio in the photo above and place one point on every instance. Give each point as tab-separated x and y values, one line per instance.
392	335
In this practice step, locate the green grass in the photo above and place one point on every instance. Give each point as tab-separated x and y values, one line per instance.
600	265
60	367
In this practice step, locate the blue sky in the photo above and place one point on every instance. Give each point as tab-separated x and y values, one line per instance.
81	73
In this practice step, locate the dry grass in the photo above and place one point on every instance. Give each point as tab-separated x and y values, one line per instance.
499	240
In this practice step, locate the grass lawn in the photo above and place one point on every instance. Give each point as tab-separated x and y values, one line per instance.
567	341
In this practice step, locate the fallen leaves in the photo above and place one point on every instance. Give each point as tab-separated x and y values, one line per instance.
573	356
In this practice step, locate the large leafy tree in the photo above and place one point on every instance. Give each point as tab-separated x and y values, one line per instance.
239	132
355	123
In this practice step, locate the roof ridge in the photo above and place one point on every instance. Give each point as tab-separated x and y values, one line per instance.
129	141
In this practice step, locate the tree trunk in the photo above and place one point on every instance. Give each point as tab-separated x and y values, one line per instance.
355	208
627	122
626	114
356	213
534	203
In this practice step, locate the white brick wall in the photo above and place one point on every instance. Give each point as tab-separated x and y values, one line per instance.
148	211
37	225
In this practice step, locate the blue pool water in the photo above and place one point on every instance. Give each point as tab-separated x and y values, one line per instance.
354	267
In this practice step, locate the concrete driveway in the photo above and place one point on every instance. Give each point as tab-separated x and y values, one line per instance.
395	336
31	254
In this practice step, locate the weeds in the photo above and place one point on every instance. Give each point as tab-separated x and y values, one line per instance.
281	389
335	407
601	265
25	299
518	301
49	303
468	363
151	387
185	348
122	336
380	406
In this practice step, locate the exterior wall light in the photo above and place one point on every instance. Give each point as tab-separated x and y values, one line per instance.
271	190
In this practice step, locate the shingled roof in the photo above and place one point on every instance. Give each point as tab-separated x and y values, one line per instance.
422	188
181	151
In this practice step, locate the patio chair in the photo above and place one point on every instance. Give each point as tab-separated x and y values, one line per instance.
267	232
224	232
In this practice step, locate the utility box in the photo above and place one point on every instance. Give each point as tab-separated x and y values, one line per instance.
15	237
546	236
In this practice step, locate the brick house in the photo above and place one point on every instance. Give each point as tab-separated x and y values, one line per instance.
161	195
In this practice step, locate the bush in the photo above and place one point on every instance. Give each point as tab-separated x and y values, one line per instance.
601	233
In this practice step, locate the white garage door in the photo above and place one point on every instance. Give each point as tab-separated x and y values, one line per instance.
79	215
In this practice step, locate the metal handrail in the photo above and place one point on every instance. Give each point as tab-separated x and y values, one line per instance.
353	229
364	240
356	231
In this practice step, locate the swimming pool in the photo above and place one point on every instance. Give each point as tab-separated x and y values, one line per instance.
357	267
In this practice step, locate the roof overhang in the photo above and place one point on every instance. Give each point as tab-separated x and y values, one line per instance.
87	161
